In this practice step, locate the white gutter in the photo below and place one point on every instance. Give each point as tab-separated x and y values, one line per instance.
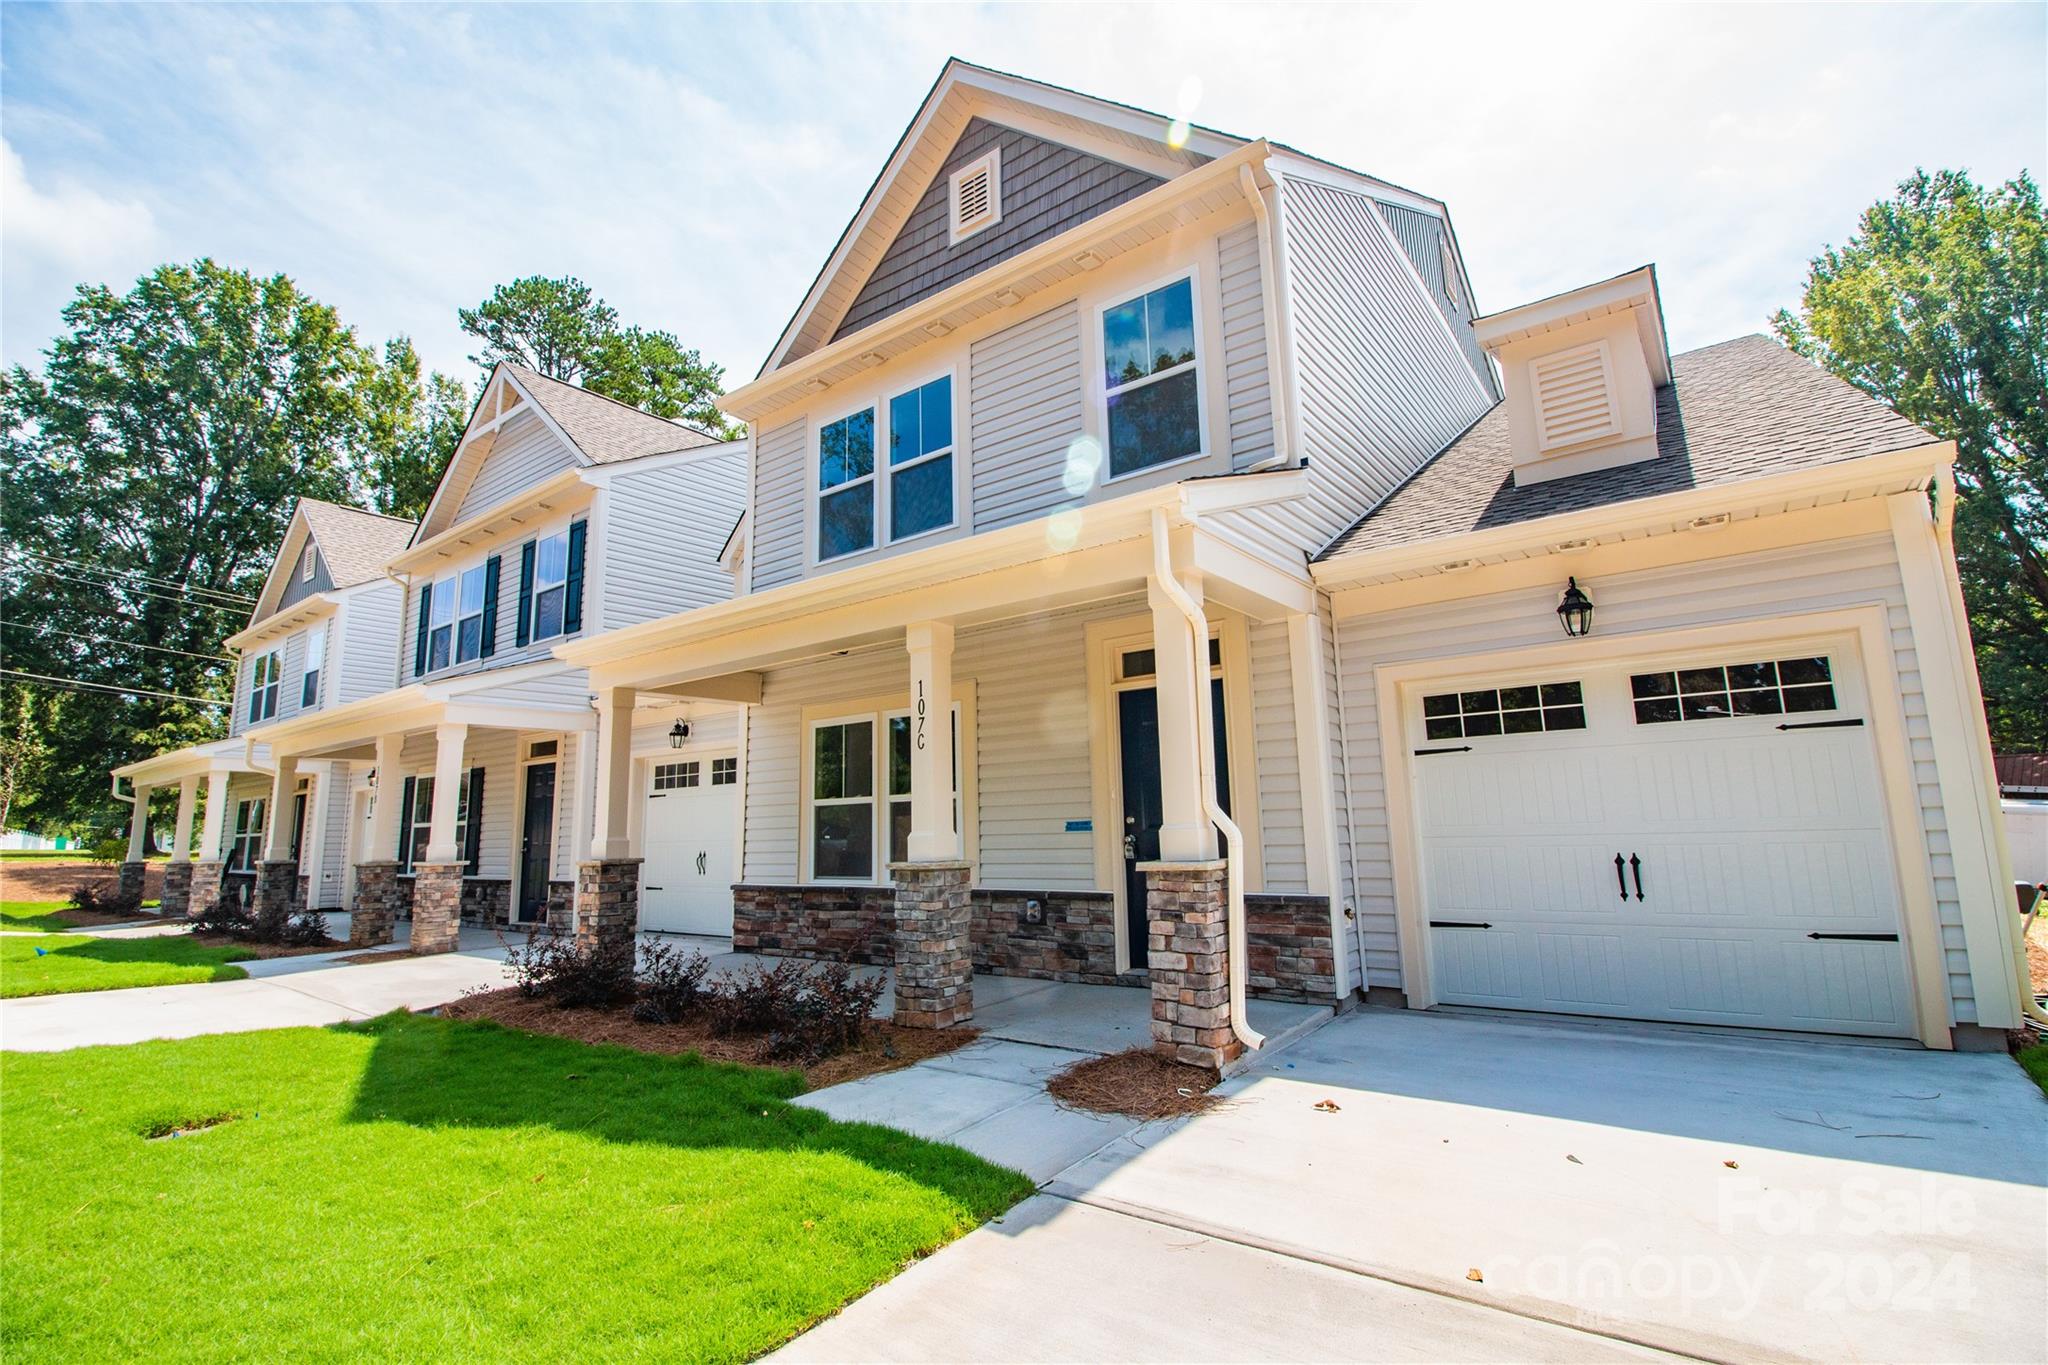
1205	746
1269	308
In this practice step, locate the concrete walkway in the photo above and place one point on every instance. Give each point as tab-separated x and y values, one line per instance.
1616	1188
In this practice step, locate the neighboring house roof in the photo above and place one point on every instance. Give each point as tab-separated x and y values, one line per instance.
355	544
604	430
2021	772
1736	410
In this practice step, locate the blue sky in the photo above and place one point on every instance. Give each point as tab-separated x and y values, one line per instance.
695	164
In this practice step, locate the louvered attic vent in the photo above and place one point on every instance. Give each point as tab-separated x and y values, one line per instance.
1574	397
977	195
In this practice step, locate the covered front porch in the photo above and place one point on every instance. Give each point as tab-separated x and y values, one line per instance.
194	877
1078	761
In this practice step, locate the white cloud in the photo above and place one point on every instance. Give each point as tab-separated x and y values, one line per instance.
54	236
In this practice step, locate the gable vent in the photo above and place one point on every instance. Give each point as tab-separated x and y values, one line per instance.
976	191
1574	397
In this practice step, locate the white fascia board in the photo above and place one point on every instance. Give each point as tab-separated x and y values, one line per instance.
1301	166
568	491
1632	515
461	470
602	475
297	616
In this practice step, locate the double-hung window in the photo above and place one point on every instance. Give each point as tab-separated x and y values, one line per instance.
469	616
843	800
248	842
550	585
899	782
1149	379
846	485
921	459
441	624
316	659
264	679
419	821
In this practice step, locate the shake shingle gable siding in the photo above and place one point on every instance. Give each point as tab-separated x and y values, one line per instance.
1737	410
1046	188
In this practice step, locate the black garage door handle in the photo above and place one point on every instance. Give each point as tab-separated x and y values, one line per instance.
1458	924
1859	938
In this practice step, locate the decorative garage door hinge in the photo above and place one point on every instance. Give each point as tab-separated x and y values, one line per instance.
1460	749
1820	724
1459	924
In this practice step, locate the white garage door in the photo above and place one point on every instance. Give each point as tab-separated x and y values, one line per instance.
1698	839
686	882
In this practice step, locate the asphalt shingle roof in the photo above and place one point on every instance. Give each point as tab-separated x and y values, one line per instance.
355	544
1737	410
604	429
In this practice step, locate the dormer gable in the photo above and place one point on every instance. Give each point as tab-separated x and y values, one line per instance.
1070	155
327	547
1581	371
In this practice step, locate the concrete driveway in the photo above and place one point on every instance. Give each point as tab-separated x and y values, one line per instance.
1617	1190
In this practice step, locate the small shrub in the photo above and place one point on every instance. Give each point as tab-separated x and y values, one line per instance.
269	924
549	967
757	1000
670	984
224	915
109	848
805	1013
306	929
102	898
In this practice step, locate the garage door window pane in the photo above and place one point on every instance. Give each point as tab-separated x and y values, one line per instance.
1564	717
1444	727
1656	711
1525	709
1821	698
1654	685
1764	687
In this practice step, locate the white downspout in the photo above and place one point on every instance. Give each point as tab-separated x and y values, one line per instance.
1269	289
1205	745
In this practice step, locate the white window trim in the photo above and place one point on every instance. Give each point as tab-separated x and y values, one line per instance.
532	622
878	710
314	669
873	800
306	560
257	827
482	569
425	776
448	589
992	162
889	798
878	401
1095	355
266	675
1449	265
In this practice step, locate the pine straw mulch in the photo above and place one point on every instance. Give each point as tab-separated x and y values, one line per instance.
1139	1083
886	1047
100	919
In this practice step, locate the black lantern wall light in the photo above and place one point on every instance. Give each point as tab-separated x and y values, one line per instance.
1575	610
678	733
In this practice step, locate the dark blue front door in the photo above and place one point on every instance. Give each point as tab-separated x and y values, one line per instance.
1138	736
537	842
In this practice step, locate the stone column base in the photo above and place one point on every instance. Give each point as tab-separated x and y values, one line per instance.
131	882
376	904
1188	908
205	890
607	903
177	897
934	965
436	906
277	888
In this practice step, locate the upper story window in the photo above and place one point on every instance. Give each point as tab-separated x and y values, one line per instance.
550	589
921	459
316	662
846	485
264	679
975	192
1450	269
469	616
1151	388
306	562
550	584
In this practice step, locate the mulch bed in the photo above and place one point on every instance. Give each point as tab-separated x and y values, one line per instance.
264	950
34	879
1139	1083
885	1048
95	919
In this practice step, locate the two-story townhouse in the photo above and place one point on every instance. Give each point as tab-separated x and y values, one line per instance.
1136	516
467	772
323	634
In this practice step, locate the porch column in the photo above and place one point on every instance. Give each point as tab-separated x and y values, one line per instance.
313	847
206	870
1185	834
138	842
608	881
933	837
277	873
375	907
177	897
437	877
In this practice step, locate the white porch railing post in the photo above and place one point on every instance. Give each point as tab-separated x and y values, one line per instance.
1185	835
448	744
188	802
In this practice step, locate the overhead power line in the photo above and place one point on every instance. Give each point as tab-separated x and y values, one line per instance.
133	644
79	685
193	589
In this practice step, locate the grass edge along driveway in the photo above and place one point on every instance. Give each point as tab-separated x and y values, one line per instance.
418	1187
75	962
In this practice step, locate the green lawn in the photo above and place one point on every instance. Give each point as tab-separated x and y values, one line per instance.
35	915
2034	1060
422	1189
76	962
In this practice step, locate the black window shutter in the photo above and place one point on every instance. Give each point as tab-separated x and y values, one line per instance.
572	604
490	645
298	822
473	836
522	629
405	824
419	648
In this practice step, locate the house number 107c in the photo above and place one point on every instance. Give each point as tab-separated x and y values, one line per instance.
920	713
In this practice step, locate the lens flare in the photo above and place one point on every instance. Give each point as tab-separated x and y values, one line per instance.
1063	529
1084	461
1177	134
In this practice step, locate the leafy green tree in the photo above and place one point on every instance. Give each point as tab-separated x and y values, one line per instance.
562	330
150	473
1938	306
411	426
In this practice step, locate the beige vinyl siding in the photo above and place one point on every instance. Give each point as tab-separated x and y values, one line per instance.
1246	378
497	753
1281	828
562	865
1025	407
561	686
781	479
663	531
524	453
363	655
331	886
1383	386
1835	574
238	721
